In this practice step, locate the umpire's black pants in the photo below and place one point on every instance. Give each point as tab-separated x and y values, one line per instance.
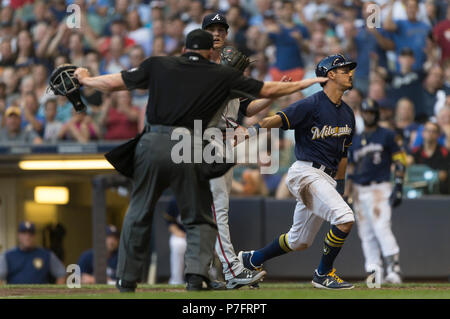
154	172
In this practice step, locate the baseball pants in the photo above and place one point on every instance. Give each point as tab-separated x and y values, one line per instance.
154	172
317	200
220	188
373	216
177	250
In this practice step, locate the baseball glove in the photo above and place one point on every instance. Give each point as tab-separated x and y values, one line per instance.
63	82
234	58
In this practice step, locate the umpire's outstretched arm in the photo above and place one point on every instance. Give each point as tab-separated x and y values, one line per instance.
104	83
278	89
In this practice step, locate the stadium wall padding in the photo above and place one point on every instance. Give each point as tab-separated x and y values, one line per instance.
421	227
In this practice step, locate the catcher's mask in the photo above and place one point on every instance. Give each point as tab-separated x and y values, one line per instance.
63	82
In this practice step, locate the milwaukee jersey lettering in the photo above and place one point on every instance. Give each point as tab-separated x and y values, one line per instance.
323	130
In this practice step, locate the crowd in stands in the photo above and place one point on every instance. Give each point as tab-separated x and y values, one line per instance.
402	48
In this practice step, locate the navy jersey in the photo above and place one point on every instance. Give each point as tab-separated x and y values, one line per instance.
36	266
372	155
86	263
323	130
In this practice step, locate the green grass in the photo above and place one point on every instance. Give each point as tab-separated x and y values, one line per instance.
267	291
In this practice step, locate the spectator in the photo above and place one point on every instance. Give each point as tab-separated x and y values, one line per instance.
80	128
86	260
432	94
159	47
443	120
52	126
119	117
31	120
290	41
404	122
7	55
370	44
433	155
116	59
40	74
138	32
177	243
158	31
25	54
196	11
30	264
157	11
406	82
118	28
10	78
76	47
258	19
13	133
440	35
175	33
409	33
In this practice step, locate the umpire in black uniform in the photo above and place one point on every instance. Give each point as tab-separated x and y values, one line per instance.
181	90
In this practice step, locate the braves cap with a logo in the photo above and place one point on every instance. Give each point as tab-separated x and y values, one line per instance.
214	18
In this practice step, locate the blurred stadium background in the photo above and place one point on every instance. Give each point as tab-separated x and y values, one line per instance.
56	149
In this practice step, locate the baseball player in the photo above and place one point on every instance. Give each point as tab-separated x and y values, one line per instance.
324	126
371	157
236	275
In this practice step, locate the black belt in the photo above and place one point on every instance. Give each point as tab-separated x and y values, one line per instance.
371	183
327	170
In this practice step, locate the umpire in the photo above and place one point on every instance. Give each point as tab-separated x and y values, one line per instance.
181	90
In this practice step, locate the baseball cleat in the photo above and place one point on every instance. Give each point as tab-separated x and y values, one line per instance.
330	281
245	257
246	277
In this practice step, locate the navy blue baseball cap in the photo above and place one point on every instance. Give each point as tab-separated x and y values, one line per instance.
26	227
332	62
112	230
199	39
214	18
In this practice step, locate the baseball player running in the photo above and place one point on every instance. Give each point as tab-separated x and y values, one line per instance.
324	126
371	157
236	275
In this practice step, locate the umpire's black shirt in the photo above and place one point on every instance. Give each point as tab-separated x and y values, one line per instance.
187	88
